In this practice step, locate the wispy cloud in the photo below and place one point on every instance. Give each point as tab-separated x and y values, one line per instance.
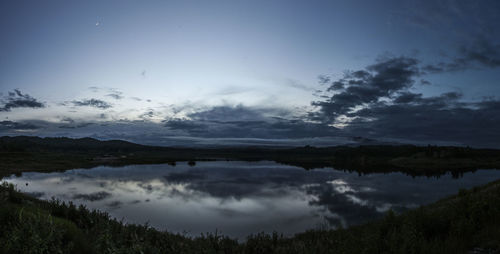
96	103
481	54
115	94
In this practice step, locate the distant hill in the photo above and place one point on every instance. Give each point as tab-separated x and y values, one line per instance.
26	153
30	143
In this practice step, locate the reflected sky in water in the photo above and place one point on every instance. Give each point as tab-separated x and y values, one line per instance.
241	198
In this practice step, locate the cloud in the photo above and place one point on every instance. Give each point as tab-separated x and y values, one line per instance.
471	40
231	90
478	55
357	88
483	53
96	103
75	126
377	102
115	204
10	125
94	89
17	99
467	19
246	122
297	85
115	94
228	113
109	92
470	28
219	134
96	196
436	118
149	114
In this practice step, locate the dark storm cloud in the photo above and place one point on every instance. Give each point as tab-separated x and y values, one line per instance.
17	99
10	125
433	119
356	88
442	101
246	122
96	103
381	105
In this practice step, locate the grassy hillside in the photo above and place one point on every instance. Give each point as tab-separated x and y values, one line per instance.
469	221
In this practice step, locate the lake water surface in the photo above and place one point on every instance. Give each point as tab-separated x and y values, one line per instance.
242	198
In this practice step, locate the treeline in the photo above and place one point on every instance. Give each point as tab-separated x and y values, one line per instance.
34	153
63	144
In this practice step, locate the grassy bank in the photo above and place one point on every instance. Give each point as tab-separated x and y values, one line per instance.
467	221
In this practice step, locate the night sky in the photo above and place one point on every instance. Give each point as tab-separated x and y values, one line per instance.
252	72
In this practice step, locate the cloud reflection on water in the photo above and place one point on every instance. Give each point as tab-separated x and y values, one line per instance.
240	198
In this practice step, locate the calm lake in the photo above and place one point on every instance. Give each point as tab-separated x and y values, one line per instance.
242	198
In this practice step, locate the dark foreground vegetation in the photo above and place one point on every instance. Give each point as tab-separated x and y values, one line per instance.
466	223
19	154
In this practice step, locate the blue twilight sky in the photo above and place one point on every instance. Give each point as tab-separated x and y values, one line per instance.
410	71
